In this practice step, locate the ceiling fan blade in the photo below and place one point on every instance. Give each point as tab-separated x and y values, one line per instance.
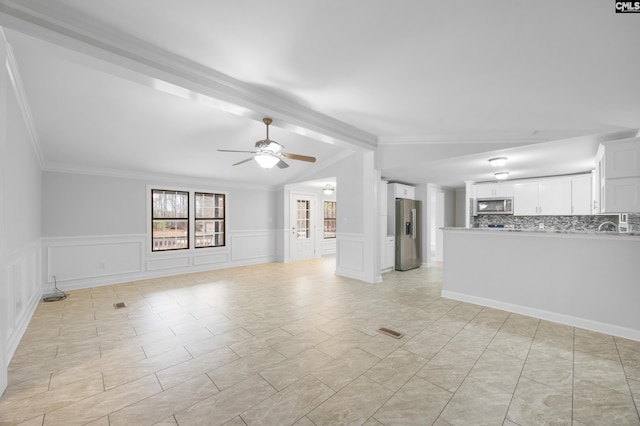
298	157
233	150
243	161
281	164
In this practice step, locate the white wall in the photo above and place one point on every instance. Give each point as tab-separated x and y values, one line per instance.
20	225
4	288
583	280
460	207
357	222
439	210
84	205
97	229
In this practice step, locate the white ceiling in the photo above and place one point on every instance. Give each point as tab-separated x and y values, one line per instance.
436	88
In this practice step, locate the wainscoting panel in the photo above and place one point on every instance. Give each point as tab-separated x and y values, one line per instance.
252	244
168	263
210	259
79	259
350	255
81	262
24	284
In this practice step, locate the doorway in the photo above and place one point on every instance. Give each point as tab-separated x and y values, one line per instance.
302	234
436	217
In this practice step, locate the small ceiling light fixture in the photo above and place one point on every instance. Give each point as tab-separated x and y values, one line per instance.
328	189
266	160
501	175
498	161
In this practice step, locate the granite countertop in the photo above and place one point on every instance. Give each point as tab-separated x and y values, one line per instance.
548	231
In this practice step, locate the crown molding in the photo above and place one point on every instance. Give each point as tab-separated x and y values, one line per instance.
514	137
25	111
464	138
151	65
173	179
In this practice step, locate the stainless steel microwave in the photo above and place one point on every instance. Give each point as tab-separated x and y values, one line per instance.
502	205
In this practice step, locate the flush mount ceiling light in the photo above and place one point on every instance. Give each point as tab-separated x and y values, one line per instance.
501	175
328	189
498	161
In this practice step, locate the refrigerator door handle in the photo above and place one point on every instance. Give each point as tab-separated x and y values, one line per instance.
413	223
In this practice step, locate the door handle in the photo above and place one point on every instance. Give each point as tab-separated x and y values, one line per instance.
413	224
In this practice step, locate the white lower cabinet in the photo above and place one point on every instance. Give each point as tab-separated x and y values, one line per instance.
389	258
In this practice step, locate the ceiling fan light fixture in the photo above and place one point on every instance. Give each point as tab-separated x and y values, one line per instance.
501	175
498	161
328	189
272	146
266	161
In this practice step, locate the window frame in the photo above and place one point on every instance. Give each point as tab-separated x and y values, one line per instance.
153	219
324	219
197	219
191	250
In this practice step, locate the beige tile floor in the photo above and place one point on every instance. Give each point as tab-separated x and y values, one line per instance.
283	344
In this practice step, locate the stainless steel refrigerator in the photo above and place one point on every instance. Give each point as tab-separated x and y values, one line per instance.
408	230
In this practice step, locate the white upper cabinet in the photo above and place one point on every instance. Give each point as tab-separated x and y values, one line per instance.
548	197
555	197
622	158
403	191
619	173
595	191
581	195
494	190
622	195
525	199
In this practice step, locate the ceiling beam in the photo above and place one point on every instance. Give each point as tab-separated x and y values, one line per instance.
139	61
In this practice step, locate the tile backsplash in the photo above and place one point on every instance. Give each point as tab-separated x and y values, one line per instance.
577	223
634	222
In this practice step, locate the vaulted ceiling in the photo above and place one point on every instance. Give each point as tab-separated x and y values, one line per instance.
435	88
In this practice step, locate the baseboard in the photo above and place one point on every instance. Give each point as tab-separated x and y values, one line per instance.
587	324
21	326
79	284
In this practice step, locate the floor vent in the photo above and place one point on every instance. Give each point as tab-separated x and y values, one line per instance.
119	305
391	333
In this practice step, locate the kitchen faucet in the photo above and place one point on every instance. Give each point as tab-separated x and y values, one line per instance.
608	222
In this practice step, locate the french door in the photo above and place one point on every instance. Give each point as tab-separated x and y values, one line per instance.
302	220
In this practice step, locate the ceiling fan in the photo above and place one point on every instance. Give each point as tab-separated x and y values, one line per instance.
269	153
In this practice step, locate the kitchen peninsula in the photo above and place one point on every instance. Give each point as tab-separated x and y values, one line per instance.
585	279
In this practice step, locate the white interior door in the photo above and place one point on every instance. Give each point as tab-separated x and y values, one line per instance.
302	236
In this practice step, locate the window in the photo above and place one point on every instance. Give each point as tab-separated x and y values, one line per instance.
209	220
303	219
329	219
169	220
